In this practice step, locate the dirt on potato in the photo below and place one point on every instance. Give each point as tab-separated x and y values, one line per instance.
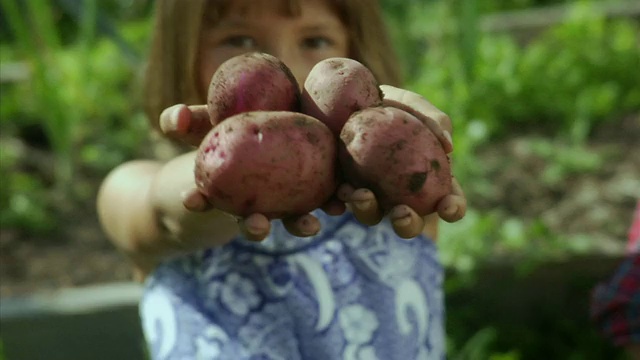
251	82
275	163
391	152
336	88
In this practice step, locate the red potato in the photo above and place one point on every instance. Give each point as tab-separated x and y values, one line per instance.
336	88
395	155
275	163
251	82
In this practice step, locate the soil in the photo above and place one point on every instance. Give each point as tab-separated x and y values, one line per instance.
595	203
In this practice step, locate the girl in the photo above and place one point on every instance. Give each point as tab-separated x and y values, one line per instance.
325	285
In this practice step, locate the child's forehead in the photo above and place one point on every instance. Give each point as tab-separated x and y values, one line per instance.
217	9
254	7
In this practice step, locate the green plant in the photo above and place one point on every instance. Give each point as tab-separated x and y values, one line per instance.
555	85
2	355
566	82
77	90
37	33
479	346
24	200
72	120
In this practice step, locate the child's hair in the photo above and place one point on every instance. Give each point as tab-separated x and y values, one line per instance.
171	72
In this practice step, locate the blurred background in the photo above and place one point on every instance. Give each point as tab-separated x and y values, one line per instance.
545	100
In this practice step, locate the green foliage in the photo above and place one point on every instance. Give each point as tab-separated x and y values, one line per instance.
479	346
583	87
78	96
38	37
557	84
24	200
564	160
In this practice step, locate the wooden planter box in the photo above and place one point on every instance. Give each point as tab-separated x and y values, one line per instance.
93	323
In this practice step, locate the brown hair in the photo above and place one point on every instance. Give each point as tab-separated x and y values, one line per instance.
170	76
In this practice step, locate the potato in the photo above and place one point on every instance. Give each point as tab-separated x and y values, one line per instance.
251	82
276	163
336	88
394	154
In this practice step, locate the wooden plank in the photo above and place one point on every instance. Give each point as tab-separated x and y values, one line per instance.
535	19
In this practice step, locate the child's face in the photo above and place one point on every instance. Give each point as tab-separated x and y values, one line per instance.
300	41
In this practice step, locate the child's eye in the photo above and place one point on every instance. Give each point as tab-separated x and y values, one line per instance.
317	42
240	41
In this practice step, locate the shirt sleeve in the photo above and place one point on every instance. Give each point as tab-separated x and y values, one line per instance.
615	304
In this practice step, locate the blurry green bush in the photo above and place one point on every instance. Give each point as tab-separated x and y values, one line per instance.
73	117
567	80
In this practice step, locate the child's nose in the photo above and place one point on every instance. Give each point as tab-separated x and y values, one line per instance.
299	72
293	60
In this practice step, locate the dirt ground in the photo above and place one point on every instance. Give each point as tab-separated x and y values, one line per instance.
596	203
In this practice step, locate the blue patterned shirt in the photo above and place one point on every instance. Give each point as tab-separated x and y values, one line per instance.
351	292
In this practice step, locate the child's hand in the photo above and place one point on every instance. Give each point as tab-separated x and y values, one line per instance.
405	221
186	124
190	124
256	226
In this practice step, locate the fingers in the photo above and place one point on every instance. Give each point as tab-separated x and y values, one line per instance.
406	222
255	227
334	207
344	192
302	226
454	206
188	124
365	207
362	203
437	121
193	200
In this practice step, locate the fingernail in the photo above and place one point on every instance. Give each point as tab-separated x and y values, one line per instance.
452	210
306	227
193	201
400	216
174	122
254	231
447	136
362	205
309	232
168	119
403	221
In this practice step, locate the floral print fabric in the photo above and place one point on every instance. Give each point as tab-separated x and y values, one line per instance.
351	292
